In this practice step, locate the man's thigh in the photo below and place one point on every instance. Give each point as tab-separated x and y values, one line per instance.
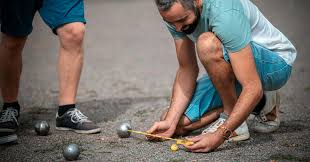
57	13
273	71
16	16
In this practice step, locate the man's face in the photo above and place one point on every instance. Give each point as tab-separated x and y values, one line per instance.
184	20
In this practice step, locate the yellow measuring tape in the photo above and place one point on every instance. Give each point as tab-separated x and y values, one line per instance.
179	141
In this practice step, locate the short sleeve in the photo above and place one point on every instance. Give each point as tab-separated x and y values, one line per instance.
232	27
175	34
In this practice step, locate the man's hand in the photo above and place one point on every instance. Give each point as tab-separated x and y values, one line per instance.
161	128
206	142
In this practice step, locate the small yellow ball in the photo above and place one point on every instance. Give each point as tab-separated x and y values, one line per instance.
174	147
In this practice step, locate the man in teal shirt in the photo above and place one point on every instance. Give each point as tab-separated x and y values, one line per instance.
246	59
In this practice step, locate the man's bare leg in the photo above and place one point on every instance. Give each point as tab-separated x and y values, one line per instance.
10	70
70	65
70	61
210	53
185	125
10	66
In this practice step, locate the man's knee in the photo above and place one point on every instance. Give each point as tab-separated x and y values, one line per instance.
209	48
71	35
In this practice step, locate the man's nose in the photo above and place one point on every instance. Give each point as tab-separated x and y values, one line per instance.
178	27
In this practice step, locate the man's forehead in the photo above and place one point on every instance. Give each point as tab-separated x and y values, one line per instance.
175	13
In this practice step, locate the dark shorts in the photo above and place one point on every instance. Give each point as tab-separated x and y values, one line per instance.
16	16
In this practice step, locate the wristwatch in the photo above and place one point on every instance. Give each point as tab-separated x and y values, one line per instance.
225	132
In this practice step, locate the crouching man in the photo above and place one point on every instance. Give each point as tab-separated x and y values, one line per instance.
244	56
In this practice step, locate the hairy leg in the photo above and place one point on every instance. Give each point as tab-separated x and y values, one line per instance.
210	53
10	66
70	61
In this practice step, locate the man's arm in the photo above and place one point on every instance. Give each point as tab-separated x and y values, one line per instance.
183	88
185	80
245	71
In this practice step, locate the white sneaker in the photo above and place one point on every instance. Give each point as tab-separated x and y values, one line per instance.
240	134
260	122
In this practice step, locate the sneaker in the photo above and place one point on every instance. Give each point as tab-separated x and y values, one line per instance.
240	134
7	138
75	121
9	120
260	122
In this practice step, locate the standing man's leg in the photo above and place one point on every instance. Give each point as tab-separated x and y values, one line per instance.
10	70
66	19
16	24
10	66
70	61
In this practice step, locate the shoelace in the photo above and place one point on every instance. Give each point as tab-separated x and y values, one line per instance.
77	116
213	127
261	117
9	115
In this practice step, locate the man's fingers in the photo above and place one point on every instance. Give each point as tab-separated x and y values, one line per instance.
195	139
195	146
153	128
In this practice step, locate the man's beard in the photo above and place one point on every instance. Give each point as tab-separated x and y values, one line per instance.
189	29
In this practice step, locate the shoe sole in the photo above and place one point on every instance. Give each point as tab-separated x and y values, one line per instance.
266	130
242	137
5	130
8	139
80	131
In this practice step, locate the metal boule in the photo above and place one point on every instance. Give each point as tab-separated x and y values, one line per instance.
122	130
71	152
42	128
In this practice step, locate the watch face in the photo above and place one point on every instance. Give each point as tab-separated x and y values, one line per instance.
227	133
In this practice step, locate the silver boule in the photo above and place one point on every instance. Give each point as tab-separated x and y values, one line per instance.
122	130
42	128
71	152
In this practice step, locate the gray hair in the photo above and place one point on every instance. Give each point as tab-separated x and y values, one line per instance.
165	5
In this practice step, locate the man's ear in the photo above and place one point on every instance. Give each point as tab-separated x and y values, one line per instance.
197	3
